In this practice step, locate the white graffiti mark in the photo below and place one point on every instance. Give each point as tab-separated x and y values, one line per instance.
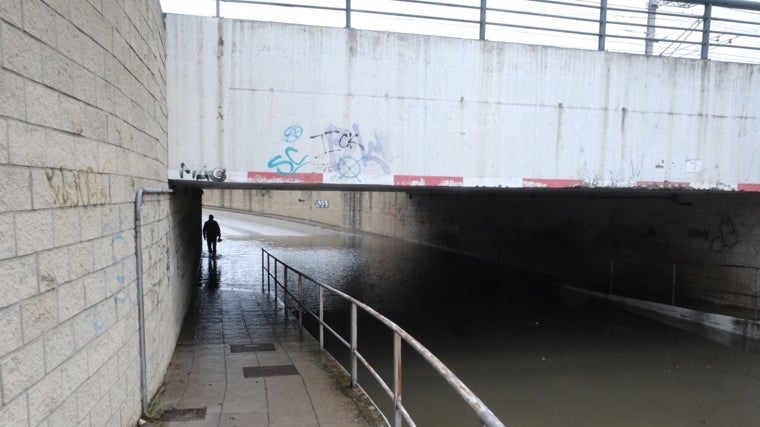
321	204
202	173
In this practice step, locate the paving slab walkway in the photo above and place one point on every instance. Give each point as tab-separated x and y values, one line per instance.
240	362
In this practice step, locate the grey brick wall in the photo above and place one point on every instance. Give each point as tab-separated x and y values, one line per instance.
83	121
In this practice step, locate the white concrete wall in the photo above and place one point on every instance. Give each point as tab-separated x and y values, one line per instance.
83	119
266	102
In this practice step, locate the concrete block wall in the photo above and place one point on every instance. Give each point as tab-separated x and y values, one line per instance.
83	124
630	241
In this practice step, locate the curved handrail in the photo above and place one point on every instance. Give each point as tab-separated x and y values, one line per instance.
485	415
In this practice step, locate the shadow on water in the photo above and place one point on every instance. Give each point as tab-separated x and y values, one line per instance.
536	354
211	275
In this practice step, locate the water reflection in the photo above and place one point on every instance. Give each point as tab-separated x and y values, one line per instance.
536	354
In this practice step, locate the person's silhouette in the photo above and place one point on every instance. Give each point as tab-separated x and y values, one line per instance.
211	233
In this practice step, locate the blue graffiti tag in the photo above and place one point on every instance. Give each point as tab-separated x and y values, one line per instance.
116	238
349	167
292	133
293	165
97	323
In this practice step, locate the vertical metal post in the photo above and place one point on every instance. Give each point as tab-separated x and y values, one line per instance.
612	274
141	292
321	318
757	291
348	13
673	292
262	270
285	291
602	23
483	9
397	384
651	16
275	281
353	344
300	302
218	3
706	30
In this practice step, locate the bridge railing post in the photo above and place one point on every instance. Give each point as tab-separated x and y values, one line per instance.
757	292
483	10
706	31
602	24
348	13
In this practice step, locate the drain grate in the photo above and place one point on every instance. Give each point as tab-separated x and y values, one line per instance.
269	371
250	348
190	414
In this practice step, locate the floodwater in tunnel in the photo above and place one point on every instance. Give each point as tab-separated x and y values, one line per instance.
535	353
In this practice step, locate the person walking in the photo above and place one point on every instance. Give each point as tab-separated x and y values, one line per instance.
212	234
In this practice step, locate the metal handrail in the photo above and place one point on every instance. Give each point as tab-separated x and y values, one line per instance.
678	286
708	27
269	272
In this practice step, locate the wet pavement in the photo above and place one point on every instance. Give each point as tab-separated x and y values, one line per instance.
240	362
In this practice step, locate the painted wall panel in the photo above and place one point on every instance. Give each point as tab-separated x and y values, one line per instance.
267	101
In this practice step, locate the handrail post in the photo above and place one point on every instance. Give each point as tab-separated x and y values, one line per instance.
397	384
348	14
483	9
275	282
757	290
300	302
602	24
321	318
652	6
612	275
353	344
706	31
673	292
285	291
262	270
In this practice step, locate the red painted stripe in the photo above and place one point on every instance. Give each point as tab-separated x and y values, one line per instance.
748	187
428	181
274	177
551	183
662	184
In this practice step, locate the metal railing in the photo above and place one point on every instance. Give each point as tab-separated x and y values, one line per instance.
271	272
726	30
684	284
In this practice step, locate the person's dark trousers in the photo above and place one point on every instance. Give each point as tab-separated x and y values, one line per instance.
211	245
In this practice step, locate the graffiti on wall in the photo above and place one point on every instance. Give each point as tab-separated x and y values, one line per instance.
77	187
343	151
350	152
290	161
726	237
202	173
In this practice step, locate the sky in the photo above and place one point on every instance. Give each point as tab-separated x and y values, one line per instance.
675	21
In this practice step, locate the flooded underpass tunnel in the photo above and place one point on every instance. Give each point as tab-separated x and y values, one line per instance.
571	307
